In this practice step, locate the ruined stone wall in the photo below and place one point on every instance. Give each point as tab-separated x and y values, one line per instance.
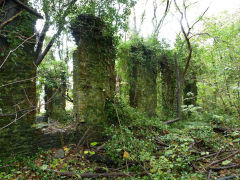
168	79
55	102
94	74
146	74
141	70
17	89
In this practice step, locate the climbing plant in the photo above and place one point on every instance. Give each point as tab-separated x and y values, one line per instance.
138	67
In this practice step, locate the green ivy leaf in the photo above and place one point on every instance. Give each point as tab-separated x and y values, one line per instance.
92	152
236	140
226	162
93	143
44	167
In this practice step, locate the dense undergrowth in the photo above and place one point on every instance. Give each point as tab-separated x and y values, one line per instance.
201	146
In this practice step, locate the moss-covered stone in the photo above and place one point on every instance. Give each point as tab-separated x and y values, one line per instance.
55	102
139	64
17	86
94	74
168	79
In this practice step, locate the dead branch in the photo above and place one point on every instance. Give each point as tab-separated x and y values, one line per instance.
188	32
161	143
227	177
15	82
225	167
209	174
158	26
100	175
11	51
17	118
68	98
172	121
211	155
26	113
83	138
221	160
4	23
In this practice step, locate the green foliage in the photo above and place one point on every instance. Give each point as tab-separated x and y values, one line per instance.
12	169
137	136
219	84
123	140
138	52
113	12
52	73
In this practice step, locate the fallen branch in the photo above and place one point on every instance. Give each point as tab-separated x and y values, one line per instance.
83	138
221	160
100	147
161	143
227	177
99	175
209	174
225	167
210	155
172	121
207	156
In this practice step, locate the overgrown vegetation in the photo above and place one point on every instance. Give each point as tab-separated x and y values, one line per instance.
102	109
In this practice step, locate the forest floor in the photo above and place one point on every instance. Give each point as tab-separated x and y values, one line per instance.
190	151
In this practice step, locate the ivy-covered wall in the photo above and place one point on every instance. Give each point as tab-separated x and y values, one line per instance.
168	80
138	64
55	102
94	73
17	84
53	80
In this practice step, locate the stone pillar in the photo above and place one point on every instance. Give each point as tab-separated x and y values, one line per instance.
93	71
141	70
169	96
17	85
55	102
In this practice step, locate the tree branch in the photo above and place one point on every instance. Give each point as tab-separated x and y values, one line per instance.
61	26
100	175
4	23
10	52
186	34
158	26
42	36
